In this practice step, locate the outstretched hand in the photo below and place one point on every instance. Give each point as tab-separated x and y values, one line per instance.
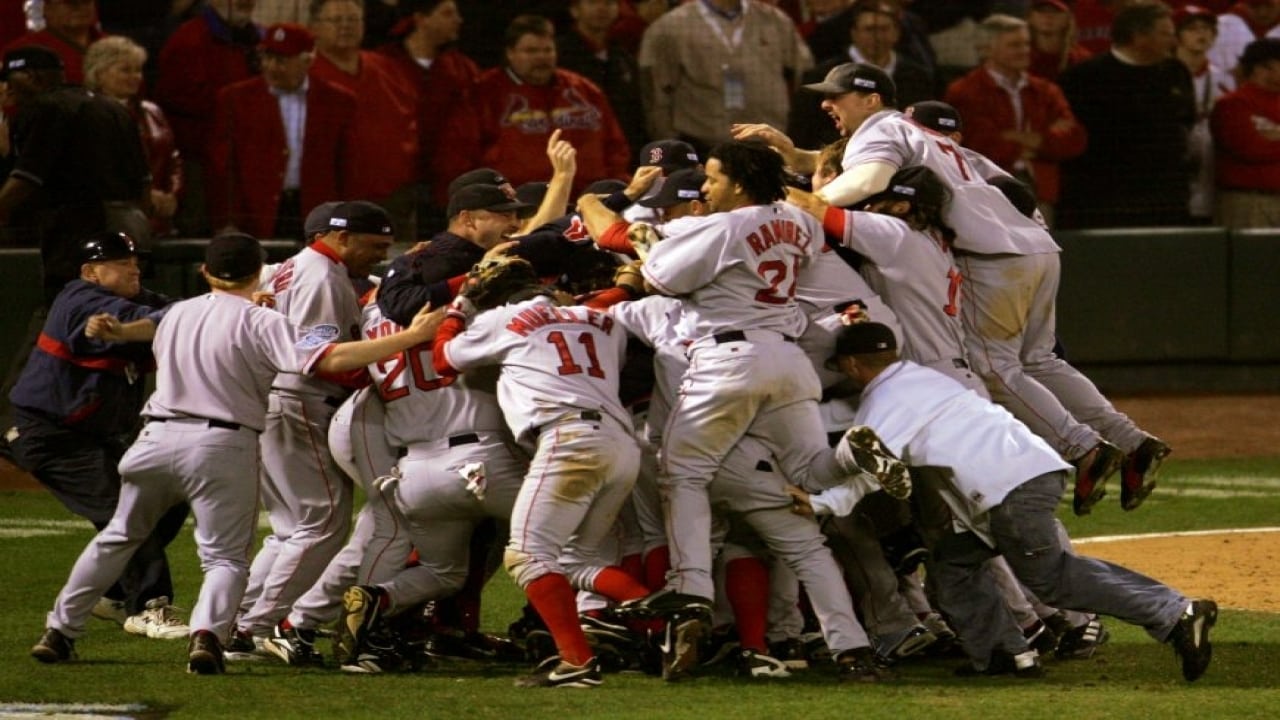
105	327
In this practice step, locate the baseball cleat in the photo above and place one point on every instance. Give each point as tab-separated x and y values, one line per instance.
360	612
604	631
1024	665
205	655
295	646
664	603
859	665
870	455
753	664
904	643
53	647
790	652
110	610
1080	643
158	621
553	672
376	655
1041	637
679	645
1190	637
244	647
1138	472
1092	471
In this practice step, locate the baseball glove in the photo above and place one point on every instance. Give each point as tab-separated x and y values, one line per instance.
492	282
642	237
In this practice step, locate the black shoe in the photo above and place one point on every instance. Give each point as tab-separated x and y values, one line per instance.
360	613
1080	643
295	646
53	647
1138	473
1092	471
790	652
665	603
204	654
1025	665
1041	638
1190	637
552	672
679	645
378	652
902	644
241	647
859	665
756	665
722	644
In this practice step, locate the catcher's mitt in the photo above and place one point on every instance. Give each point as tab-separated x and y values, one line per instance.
492	282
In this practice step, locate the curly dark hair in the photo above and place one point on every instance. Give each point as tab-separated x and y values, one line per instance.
755	166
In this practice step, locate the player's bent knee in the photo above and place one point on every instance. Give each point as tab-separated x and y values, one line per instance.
525	568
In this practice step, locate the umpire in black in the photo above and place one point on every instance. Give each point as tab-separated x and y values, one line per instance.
79	165
76	408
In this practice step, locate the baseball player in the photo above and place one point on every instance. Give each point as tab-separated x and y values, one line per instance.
459	466
1004	487
737	270
559	394
307	497
1010	325
76	403
217	357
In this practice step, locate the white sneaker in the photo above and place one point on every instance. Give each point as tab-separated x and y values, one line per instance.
111	611
159	621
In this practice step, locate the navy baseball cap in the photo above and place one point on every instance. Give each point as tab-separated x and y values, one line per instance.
670	155
865	338
681	186
532	193
360	216
479	176
485	197
31	57
608	186
936	115
916	184
857	77
317	222
233	256
105	247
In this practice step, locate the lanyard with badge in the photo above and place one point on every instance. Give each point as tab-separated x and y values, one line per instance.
734	79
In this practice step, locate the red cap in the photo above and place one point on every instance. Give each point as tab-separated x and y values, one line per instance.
287	39
1187	13
1058	4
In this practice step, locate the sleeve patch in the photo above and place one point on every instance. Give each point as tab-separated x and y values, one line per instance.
318	336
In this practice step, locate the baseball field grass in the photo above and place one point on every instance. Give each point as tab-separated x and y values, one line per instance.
1130	677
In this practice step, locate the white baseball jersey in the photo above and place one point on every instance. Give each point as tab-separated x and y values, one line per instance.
737	270
916	274
217	355
927	418
420	405
554	360
656	321
313	290
983	218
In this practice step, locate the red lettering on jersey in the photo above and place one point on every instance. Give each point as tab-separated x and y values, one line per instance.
283	277
775	232
754	241
530	319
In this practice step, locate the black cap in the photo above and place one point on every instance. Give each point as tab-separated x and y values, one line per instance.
233	256
31	57
865	338
936	115
607	186
106	246
484	197
1019	193
670	155
479	176
317	222
360	216
681	186
1258	52
857	77
531	193
917	184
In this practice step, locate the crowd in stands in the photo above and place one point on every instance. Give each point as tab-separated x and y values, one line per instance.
253	112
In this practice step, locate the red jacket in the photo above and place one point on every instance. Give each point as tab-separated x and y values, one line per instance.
249	153
1246	159
198	60
446	84
72	54
987	111
508	124
386	127
162	155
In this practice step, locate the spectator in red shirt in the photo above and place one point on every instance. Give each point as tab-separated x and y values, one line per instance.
444	77
387	170
113	69
1053	38
205	54
1020	121
1093	23
282	143
1246	129
514	109
70	26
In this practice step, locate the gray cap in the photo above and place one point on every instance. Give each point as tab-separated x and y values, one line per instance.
857	77
317	222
